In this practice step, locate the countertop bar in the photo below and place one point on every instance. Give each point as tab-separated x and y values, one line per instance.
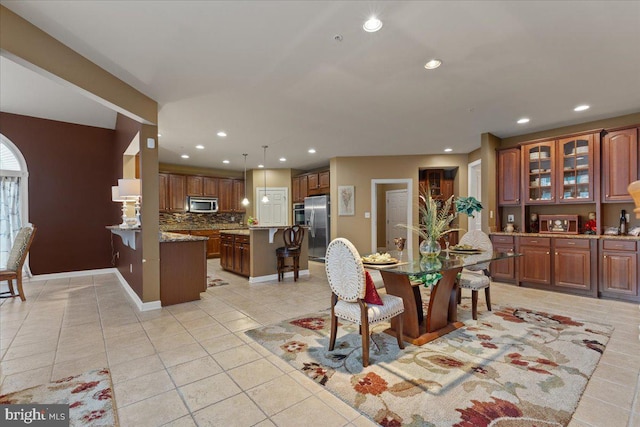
186	226
566	236
177	237
244	232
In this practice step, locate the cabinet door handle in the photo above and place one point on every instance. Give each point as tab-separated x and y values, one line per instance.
607	195
534	241
571	243
556	253
605	256
547	253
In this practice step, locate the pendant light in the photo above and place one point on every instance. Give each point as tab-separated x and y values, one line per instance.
265	199
245	201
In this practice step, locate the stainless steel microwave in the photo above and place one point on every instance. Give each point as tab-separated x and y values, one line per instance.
203	204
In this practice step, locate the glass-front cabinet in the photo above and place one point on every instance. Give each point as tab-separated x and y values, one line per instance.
575	166
540	170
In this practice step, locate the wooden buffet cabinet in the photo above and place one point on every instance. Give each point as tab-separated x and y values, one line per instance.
235	253
561	177
175	188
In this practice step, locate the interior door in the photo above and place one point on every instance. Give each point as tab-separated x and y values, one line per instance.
396	202
275	211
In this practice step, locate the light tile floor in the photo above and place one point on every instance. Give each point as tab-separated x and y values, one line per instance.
191	364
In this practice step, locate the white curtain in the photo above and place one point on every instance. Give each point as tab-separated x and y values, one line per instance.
10	215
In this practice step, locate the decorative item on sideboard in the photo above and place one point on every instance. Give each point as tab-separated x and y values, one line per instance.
533	224
560	224
590	225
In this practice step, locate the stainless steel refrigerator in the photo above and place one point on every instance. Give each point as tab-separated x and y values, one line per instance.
316	216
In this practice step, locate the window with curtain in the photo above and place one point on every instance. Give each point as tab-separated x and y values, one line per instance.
10	199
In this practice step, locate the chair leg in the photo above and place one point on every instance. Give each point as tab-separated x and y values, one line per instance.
474	304
10	284
487	297
399	331
296	261
279	267
459	294
365	344
334	331
20	290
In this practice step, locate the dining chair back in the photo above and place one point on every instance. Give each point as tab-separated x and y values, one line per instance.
15	262
346	276
476	277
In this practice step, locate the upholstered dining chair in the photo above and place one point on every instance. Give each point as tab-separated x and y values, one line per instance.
293	237
17	256
346	276
477	276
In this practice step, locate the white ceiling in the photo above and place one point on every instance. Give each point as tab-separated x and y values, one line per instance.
270	72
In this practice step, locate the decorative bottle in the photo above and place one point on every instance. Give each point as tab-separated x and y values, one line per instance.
623	222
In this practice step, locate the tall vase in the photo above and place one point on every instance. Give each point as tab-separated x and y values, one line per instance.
430	248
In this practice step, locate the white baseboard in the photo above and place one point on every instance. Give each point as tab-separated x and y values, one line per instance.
142	306
259	279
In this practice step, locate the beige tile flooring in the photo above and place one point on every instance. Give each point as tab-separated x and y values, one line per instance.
191	364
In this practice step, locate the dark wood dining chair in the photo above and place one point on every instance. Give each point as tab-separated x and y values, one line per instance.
293	237
17	256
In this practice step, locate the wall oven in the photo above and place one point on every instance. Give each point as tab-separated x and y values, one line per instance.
298	214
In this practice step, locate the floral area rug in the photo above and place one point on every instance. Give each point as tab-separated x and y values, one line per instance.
89	396
512	368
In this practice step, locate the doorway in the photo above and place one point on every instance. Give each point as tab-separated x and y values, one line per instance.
396	213
378	212
276	211
475	190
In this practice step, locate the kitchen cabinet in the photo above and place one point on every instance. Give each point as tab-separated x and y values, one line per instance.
313	183
177	193
163	188
304	187
183	271
619	269
575	169
535	263
509	177
619	164
438	182
299	188
237	195
539	172
324	180
503	270
235	253
575	263
318	183
213	244
202	186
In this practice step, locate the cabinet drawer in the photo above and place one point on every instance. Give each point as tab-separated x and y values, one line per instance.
619	245
242	239
502	240
572	243
535	241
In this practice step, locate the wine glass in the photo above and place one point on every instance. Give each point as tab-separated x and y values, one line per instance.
399	242
446	245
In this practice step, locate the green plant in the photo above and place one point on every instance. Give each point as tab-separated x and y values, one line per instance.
468	205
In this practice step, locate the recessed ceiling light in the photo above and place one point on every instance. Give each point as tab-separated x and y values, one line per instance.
185	156
260	166
372	25
282	159
222	134
200	147
523	121
581	108
433	64
448	150
312	151
226	162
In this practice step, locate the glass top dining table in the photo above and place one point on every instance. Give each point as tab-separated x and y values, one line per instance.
423	323
444	262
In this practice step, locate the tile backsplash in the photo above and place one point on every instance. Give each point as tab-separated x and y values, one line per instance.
191	220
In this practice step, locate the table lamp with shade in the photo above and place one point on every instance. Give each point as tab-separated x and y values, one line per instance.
130	189
115	197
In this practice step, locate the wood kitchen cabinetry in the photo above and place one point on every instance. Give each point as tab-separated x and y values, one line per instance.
310	184
619	268
535	262
619	164
213	244
575	169
575	263
230	195
509	177
202	186
539	172
503	270
172	193
235	253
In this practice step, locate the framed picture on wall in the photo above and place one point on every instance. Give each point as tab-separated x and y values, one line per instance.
346	200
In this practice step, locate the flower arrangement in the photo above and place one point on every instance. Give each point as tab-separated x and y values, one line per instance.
252	221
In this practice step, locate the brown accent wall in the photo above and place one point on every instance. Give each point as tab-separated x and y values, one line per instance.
71	171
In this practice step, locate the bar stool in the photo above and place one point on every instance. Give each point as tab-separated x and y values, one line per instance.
293	237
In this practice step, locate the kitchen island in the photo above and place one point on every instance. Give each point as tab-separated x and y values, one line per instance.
252	253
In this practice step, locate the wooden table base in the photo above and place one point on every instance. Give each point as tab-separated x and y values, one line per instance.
441	317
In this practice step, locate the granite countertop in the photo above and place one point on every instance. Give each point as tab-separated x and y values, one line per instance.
186	226
237	232
569	236
177	237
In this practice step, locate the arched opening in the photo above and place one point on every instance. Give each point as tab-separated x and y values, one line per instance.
13	196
